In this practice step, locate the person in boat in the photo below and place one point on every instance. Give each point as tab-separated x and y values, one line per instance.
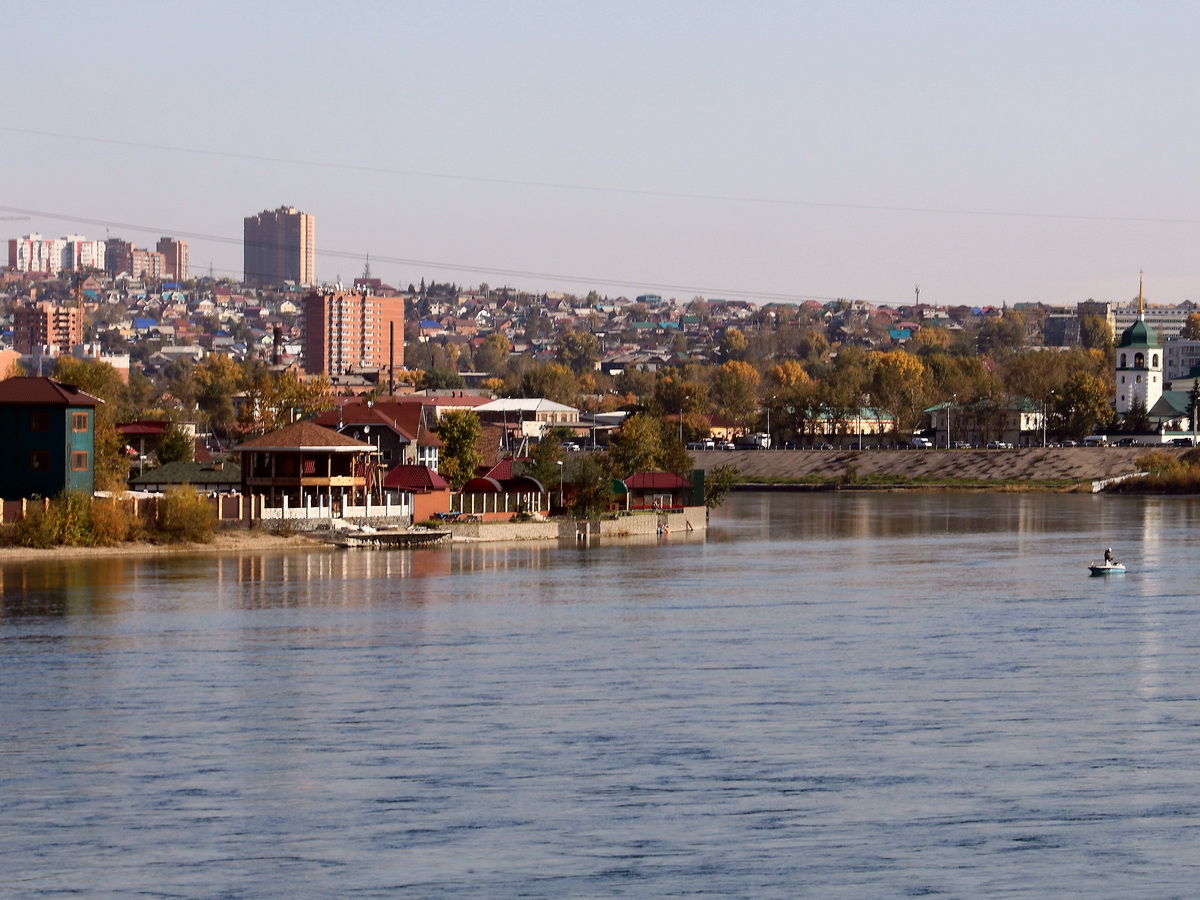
1108	557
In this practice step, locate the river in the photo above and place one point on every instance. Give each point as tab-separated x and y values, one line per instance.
826	695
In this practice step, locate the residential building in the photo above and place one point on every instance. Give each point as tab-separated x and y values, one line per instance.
346	330
1165	321
1180	355
38	324
49	438
278	247
175	258
33	253
400	430
147	264
74	252
118	257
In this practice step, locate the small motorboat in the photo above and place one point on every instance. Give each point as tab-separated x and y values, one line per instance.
1107	568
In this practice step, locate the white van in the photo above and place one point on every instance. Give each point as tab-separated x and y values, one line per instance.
1096	440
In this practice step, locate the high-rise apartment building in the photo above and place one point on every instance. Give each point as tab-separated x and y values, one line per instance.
74	253
43	324
278	247
147	264
118	257
346	330
175	258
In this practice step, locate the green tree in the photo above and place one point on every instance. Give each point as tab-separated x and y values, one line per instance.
1095	333
593	486
459	430
553	381
636	446
999	335
438	379
492	355
218	378
578	350
176	446
735	389
1083	406
718	481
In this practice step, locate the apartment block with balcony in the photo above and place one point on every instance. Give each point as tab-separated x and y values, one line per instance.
346	330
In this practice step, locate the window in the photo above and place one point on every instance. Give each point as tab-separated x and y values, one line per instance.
39	421
79	461
39	460
79	421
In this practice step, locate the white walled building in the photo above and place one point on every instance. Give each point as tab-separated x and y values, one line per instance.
34	253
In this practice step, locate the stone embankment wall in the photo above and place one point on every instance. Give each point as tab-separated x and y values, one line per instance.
1039	463
690	519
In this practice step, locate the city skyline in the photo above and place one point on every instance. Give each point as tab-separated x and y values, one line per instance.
1029	152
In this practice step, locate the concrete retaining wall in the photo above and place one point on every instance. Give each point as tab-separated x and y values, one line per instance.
690	519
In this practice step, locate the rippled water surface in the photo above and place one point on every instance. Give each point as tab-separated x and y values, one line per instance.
826	696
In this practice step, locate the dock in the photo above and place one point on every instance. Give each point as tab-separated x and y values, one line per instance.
386	540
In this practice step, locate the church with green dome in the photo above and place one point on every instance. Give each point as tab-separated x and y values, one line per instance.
1139	377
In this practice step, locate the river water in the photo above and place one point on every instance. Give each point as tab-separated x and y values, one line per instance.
851	695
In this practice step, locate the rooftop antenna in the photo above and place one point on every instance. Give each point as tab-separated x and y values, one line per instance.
367	269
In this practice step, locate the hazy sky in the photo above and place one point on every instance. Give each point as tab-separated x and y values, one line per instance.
989	151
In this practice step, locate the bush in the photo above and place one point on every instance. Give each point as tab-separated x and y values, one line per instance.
71	519
184	516
110	522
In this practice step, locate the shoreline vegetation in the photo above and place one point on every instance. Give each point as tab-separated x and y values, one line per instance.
224	542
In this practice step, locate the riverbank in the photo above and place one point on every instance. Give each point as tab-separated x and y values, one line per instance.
253	541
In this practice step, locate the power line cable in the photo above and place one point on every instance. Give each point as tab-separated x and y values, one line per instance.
602	189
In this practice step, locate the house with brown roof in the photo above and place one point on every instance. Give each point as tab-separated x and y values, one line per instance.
304	465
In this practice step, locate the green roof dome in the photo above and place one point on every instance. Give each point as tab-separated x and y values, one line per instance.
1139	334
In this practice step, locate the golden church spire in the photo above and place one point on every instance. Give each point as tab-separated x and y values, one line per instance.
1141	301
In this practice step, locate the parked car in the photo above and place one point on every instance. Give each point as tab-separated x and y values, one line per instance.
922	443
1182	442
960	445
999	445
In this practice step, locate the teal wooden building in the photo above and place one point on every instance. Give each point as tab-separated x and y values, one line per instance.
47	438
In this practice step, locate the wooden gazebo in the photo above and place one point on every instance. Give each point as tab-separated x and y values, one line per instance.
308	465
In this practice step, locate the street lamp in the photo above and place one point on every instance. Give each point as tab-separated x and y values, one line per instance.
560	484
1045	405
949	413
682	404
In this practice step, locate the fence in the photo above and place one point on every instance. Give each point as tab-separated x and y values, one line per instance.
506	502
231	508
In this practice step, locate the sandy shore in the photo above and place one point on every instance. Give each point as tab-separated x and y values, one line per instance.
224	542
